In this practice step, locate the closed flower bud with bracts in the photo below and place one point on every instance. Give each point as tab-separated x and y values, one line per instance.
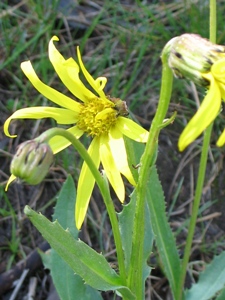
32	161
190	56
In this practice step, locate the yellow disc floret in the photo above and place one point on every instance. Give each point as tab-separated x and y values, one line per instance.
97	116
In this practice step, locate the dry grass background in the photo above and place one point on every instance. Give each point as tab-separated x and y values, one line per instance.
121	40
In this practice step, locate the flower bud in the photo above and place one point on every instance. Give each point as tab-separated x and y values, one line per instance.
32	161
190	56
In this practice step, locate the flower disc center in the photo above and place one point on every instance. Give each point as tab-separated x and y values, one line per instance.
97	116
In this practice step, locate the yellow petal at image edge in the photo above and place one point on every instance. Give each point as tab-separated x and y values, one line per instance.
50	93
221	140
86	184
204	116
218	70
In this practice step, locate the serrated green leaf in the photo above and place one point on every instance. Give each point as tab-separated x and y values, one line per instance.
65	207
69	284
134	153
221	295
126	217
84	261
163	234
210	282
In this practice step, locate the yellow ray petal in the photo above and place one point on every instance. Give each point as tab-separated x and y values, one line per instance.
119	153
98	84
61	115
204	116
221	140
68	72
58	143
218	70
86	184
222	90
11	179
132	130
46	90
112	173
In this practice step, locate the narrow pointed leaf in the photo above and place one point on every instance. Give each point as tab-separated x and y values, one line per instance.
163	234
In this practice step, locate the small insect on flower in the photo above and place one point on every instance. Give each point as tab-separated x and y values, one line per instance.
120	107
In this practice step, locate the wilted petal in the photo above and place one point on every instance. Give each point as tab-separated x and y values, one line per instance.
68	72
119	153
204	116
58	143
112	173
132	130
61	115
86	184
46	90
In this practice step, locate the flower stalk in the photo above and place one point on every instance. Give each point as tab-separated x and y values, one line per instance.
135	281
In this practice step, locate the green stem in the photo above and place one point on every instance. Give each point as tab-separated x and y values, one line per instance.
135	276
201	172
195	208
212	21
103	186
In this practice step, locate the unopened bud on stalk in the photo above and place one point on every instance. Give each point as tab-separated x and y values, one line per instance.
32	161
190	56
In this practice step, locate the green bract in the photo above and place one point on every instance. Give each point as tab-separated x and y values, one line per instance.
32	161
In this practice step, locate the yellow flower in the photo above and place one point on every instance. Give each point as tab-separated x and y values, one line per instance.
209	108
101	117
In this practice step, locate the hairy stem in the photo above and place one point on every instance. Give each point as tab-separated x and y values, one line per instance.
135	280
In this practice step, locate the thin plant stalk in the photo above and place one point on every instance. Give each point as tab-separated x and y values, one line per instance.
201	173
135	276
195	208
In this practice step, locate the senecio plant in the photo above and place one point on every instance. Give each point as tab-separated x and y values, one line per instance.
78	271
